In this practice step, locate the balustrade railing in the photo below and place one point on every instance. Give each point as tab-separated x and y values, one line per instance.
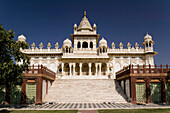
137	69
40	69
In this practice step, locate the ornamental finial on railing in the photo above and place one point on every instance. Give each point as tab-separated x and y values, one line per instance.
41	45
33	45
49	46
56	45
121	45
128	45
113	45
136	45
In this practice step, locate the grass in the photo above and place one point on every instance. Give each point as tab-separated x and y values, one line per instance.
40	111
136	111
100	111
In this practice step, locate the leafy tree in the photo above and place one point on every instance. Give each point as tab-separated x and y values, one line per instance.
11	73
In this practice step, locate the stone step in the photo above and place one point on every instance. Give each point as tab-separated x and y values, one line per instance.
85	90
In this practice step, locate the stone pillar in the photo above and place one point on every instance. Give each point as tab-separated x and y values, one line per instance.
88	45
62	68
46	86
70	68
74	65
96	68
80	65
148	96
81	46
38	90
108	69
99	68
163	91
89	68
133	90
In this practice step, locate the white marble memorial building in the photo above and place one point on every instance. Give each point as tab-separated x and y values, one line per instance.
83	55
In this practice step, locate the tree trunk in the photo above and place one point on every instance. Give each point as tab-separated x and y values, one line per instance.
7	94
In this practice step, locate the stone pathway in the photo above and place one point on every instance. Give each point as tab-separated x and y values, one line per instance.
87	111
83	106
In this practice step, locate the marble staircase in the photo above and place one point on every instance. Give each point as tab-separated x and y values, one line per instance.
85	91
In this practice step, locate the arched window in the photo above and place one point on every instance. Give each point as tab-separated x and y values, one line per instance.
78	45
85	45
66	50
149	44
146	44
91	44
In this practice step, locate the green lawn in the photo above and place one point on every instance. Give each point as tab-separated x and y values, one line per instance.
100	111
136	111
41	111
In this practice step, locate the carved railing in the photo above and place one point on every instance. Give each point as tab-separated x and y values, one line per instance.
123	72
126	50
40	69
143	69
149	68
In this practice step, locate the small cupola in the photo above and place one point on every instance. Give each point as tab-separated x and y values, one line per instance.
22	38
103	42
148	43
67	42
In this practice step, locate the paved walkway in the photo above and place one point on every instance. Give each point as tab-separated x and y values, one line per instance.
87	111
83	106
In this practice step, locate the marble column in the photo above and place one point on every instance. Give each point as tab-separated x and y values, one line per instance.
96	67
81	46
80	65
70	68
74	65
89	68
107	69
99	68
62	68
88	45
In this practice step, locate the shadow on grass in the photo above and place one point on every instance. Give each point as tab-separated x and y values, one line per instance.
136	111
39	111
4	111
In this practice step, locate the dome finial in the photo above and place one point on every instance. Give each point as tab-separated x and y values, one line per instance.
84	13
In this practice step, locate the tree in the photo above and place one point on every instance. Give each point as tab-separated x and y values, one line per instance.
11	73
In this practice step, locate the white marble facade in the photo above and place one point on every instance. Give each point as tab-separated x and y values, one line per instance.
80	57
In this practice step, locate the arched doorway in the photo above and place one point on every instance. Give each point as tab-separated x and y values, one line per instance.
85	45
59	70
85	69
78	45
77	69
93	69
103	69
66	69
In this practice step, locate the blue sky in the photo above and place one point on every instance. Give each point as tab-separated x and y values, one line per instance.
117	21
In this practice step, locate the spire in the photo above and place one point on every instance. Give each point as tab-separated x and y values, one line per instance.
84	13
85	24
